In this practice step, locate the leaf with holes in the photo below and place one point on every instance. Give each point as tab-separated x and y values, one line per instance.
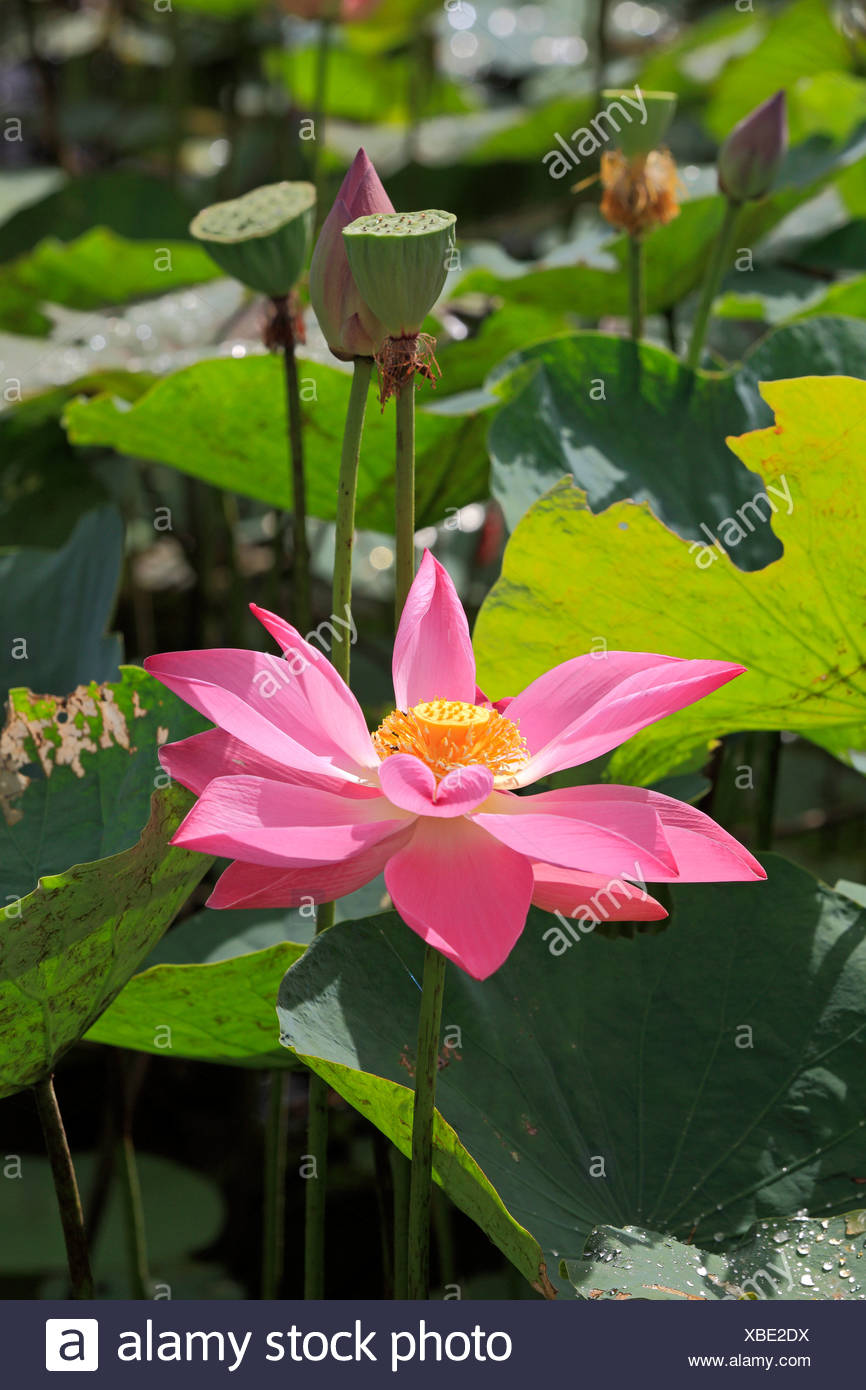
77	773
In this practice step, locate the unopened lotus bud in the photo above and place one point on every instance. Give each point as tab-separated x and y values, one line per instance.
642	117
262	238
399	261
750	157
350	327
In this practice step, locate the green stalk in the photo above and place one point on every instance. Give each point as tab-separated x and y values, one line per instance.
405	494
347	486
274	1204
301	551
317	1120
715	270
401	1171
636	296
136	1242
426	1066
66	1188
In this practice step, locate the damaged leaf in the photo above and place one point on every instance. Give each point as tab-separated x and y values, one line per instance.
77	773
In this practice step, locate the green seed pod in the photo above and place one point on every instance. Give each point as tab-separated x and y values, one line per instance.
399	262
262	238
643	119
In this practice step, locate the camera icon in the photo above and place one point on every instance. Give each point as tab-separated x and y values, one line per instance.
71	1344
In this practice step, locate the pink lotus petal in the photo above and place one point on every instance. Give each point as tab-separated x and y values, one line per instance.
409	783
254	885
275	823
604	899
255	697
198	760
611	839
433	657
321	697
462	892
704	852
593	703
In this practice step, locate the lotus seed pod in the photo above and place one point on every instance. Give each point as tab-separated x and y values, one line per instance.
262	238
750	157
399	262
642	117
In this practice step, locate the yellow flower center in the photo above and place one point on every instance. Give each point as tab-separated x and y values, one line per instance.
446	734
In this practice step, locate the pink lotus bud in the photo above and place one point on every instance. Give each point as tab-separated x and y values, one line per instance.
349	325
750	157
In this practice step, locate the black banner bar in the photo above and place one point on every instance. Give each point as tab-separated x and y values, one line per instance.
253	1346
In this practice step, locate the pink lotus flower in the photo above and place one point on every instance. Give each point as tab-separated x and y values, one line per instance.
351	329
308	804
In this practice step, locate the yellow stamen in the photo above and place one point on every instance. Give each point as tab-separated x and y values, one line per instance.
446	734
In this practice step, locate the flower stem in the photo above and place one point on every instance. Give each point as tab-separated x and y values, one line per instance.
400	1171
405	494
636	285
136	1242
66	1188
283	331
314	1223
426	1067
274	1204
317	1115
347	487
715	269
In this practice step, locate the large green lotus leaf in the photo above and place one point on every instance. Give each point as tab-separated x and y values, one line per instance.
97	268
675	255
800	1259
569	577
58	604
223	1012
78	772
68	948
801	41
846	297
510	328
362	87
45	485
633	422
699	51
693	1082
132	204
183	1212
223	421
208	988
